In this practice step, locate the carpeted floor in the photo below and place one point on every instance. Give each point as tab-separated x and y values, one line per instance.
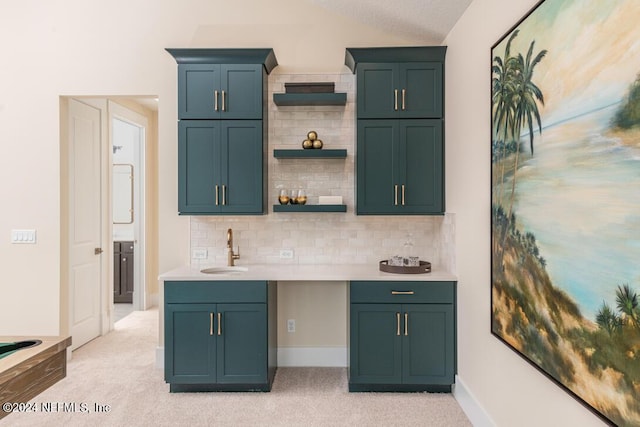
119	370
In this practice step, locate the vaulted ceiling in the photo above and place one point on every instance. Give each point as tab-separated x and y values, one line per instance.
427	21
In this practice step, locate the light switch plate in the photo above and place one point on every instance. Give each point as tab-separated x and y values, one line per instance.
23	236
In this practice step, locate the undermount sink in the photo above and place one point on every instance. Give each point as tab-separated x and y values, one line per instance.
224	270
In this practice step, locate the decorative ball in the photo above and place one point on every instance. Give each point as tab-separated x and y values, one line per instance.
312	135
307	143
317	143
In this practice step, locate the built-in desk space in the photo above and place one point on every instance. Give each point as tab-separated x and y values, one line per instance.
400	327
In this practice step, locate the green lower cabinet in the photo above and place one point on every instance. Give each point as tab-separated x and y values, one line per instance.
242	344
402	346
219	346
190	348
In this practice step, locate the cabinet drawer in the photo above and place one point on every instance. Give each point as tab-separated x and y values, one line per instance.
402	292
215	292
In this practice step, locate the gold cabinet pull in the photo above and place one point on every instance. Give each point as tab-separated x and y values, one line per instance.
395	102
217	191
210	323
219	323
398	324
224	195
215	100
223	102
402	292
404	95
395	199
406	323
402	194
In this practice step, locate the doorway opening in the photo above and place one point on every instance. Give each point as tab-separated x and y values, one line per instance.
122	134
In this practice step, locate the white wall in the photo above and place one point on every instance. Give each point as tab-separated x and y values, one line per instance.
53	49
509	389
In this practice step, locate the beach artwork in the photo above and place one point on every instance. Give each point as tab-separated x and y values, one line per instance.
565	193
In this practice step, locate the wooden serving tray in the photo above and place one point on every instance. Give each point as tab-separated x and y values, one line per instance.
425	267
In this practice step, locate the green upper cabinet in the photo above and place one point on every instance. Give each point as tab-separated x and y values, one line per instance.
400	136
407	90
220	167
220	91
222	135
399	167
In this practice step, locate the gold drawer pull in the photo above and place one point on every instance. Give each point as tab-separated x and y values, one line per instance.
223	102
402	292
406	323
404	94
402	194
217	195
395	198
210	323
215	100
395	103
398	324
219	323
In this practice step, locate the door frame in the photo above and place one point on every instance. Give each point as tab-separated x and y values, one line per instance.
117	111
107	259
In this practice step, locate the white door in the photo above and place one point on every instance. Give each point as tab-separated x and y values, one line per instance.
85	222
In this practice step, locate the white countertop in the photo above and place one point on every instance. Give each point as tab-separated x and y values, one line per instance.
305	273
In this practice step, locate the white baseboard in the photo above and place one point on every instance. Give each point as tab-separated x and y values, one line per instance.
160	357
467	401
289	357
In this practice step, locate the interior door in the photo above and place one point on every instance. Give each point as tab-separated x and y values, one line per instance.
85	222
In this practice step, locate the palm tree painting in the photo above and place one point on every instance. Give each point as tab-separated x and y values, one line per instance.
565	199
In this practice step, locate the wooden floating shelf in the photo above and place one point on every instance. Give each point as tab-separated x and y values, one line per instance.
309	208
291	99
312	153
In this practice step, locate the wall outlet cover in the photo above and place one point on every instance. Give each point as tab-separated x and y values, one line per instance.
199	254
286	253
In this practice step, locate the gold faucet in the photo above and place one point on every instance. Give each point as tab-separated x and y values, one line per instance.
231	257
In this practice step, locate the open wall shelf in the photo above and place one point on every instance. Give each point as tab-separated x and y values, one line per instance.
311	153
309	208
291	99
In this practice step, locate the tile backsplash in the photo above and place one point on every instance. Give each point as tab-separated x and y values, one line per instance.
319	238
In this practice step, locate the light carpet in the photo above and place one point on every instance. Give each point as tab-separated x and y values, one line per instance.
119	370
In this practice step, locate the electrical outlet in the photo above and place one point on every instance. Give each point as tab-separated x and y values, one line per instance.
286	253
291	325
199	254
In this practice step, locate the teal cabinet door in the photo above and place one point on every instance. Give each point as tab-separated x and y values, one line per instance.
399	90
375	344
420	167
242	344
241	91
220	91
399	167
241	167
220	168
190	346
376	163
376	87
421	90
428	344
199	184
